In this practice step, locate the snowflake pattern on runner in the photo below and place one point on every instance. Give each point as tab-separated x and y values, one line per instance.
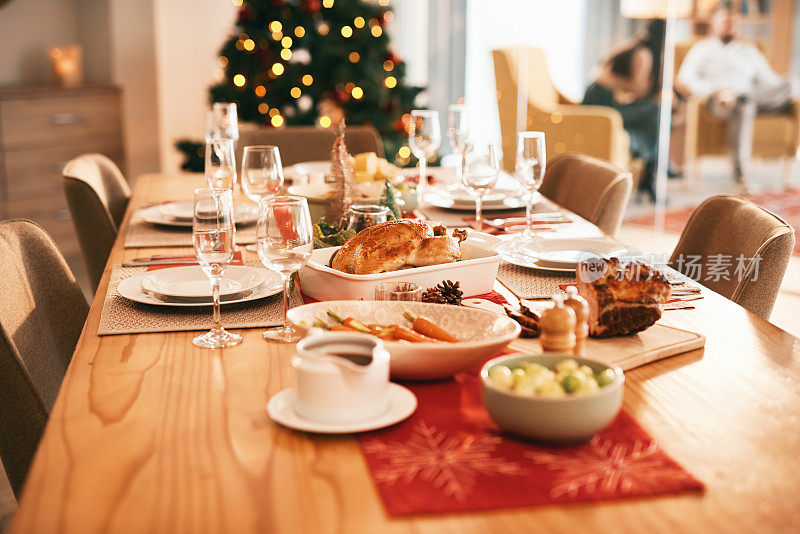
606	467
450	464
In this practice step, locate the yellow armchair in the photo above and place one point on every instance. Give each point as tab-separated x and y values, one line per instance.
569	127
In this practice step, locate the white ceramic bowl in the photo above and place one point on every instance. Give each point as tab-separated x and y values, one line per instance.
571	418
475	272
484	334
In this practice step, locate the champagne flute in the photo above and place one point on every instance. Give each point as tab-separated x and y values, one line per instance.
530	167
458	132
479	173
424	139
220	163
213	235
285	241
222	121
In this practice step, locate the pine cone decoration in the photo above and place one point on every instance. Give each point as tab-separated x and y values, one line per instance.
447	292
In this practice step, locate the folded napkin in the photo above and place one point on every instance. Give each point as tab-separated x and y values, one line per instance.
450	457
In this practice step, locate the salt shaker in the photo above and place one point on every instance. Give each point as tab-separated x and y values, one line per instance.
581	309
558	327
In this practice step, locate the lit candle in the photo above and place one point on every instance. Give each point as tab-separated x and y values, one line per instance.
67	65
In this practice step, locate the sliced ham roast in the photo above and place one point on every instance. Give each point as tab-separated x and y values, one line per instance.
624	298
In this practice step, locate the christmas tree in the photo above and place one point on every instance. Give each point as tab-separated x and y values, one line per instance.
303	62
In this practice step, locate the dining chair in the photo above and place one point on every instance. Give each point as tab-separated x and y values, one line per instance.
42	311
720	231
309	143
596	190
97	194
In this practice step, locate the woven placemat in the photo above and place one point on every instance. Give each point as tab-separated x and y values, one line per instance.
144	234
531	284
122	316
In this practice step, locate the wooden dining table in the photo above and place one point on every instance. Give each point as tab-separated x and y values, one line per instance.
152	434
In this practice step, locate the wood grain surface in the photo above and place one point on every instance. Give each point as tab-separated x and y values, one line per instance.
150	434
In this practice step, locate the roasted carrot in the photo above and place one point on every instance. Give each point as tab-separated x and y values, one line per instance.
426	327
356	325
342	328
404	333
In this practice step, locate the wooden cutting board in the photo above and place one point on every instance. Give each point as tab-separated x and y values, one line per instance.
655	343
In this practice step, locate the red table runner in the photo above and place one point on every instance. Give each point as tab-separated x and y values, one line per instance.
450	457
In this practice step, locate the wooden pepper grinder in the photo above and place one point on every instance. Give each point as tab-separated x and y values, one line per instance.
558	327
581	309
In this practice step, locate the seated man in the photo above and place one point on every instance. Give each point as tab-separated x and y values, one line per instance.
738	82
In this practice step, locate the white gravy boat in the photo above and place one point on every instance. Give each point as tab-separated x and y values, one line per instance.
341	377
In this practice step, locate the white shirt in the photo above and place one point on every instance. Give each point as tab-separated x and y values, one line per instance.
711	65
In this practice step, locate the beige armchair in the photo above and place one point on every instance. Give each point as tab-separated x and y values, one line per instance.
774	135
569	127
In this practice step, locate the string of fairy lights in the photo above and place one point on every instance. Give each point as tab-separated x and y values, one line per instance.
245	43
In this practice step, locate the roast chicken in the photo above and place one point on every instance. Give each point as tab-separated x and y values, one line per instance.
624	298
394	245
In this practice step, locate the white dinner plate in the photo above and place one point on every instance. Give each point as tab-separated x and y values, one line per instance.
510	251
191	283
162	215
131	289
308	171
459	199
402	403
568	252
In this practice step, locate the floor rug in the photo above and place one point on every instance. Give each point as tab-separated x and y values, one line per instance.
785	203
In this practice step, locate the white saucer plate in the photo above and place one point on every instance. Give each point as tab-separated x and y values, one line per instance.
163	214
131	289
191	283
402	403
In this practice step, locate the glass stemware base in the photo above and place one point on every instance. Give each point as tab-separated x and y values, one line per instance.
281	334
217	339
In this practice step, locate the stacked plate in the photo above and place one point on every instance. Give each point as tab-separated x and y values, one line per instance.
562	255
460	199
189	286
180	214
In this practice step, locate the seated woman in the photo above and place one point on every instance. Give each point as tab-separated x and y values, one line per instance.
629	81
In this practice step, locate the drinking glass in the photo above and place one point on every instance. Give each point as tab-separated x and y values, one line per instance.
479	173
408	291
365	215
262	173
220	164
213	236
458	132
222	122
285	240
530	167
424	139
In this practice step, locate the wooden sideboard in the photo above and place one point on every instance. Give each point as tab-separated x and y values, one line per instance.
41	129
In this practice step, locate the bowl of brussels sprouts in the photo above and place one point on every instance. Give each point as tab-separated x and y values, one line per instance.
551	397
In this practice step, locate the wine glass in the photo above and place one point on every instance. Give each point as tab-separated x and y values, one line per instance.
220	163
458	132
222	122
285	240
262	173
530	167
424	139
213	236
479	173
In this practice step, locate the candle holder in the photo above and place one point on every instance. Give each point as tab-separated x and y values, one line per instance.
67	65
